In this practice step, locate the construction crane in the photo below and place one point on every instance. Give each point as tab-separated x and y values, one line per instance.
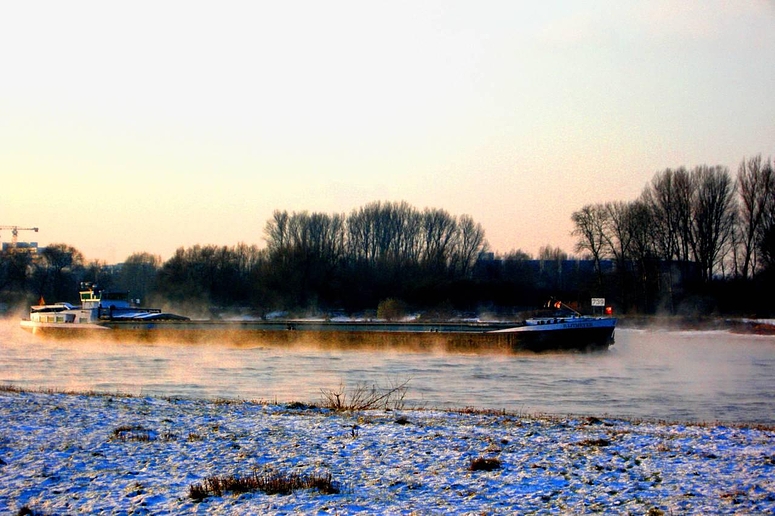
15	232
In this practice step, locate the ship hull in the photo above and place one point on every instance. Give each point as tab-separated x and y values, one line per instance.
465	337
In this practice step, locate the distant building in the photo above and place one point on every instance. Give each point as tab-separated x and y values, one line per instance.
556	274
30	247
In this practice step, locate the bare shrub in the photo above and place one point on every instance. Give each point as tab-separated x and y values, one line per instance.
298	405
391	309
365	397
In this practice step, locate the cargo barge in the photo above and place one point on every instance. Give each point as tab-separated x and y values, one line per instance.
112	315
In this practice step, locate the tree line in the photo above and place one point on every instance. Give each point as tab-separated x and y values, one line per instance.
380	250
311	261
699	239
694	239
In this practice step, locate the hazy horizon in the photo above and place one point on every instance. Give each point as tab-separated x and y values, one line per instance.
146	127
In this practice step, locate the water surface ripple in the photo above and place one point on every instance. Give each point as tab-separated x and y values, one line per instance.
692	376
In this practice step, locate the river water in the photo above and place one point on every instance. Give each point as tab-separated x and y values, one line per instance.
676	376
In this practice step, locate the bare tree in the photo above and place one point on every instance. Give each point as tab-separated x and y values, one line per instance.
438	229
756	184
367	235
618	233
669	200
641	242
714	214
57	271
765	237
248	258
590	227
643	254
138	274
325	237
15	265
548	253
469	243
276	231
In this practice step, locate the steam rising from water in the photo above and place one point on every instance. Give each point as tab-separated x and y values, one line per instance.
703	376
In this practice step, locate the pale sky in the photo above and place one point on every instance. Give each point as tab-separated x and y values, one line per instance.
147	126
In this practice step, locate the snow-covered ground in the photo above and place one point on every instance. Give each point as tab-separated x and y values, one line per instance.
72	453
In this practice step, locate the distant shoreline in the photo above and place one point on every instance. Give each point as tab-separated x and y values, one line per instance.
741	325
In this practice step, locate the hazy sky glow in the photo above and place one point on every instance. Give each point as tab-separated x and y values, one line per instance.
147	126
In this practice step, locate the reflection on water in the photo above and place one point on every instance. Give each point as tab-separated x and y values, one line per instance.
700	376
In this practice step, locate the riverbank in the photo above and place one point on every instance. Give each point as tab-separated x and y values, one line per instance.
79	453
740	325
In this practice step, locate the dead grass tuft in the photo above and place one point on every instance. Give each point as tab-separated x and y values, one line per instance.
402	420
484	464
131	433
26	511
594	442
298	405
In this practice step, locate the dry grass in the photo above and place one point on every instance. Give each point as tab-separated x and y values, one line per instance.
49	390
269	483
365	397
141	434
480	411
392	397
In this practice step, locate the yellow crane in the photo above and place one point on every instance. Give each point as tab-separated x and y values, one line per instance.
15	232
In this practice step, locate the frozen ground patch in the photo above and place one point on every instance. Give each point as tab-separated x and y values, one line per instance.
65	454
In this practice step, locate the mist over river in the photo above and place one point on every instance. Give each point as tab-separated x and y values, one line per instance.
677	376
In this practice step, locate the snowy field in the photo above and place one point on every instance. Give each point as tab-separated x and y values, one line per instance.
72	454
